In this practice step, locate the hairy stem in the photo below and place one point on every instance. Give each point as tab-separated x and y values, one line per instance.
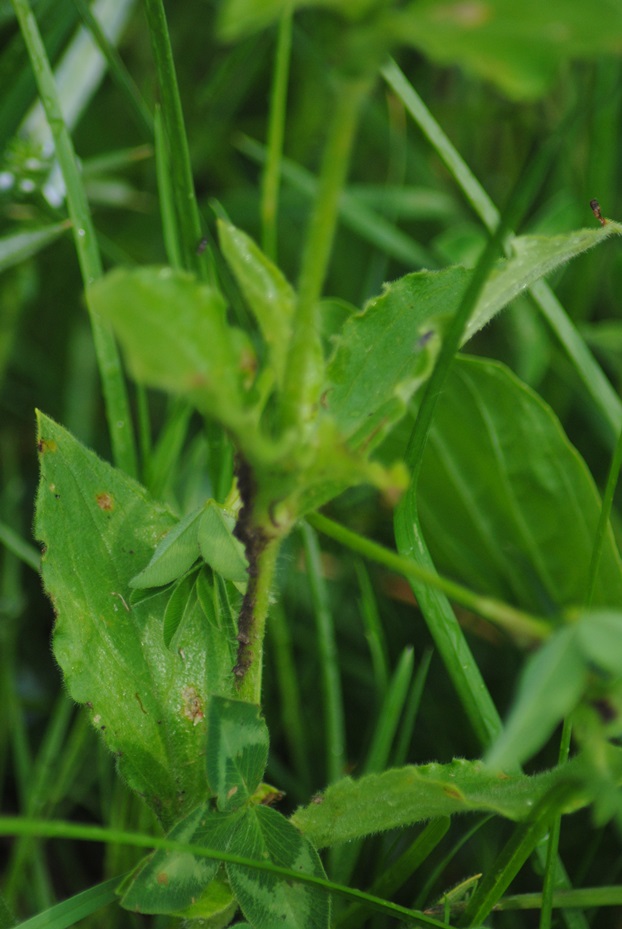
252	622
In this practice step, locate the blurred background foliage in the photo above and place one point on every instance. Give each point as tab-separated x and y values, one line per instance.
408	213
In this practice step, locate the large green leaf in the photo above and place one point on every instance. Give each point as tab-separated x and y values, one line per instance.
518	46
268	901
148	702
506	502
399	797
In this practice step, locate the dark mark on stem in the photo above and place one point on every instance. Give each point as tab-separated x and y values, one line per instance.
595	207
254	542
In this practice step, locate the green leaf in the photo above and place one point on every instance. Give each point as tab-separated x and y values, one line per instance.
175	554
550	687
267	900
599	635
172	882
386	351
269	295
237	751
518	46
147	702
215	906
176	337
534	257
399	797
219	547
506	502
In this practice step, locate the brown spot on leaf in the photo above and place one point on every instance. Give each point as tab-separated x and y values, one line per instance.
46	445
162	878
453	792
192	707
105	501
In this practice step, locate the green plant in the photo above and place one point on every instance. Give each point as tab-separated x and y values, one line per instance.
161	618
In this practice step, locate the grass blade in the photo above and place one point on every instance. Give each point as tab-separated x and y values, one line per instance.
117	405
69	912
173	118
329	661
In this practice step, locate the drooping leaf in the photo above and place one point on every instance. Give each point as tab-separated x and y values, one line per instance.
147	702
550	686
237	750
506	503
172	882
267	292
175	335
267	900
175	554
219	547
518	46
399	797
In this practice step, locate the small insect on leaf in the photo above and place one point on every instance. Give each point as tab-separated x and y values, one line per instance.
595	207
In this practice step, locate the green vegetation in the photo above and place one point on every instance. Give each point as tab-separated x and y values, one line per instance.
330	542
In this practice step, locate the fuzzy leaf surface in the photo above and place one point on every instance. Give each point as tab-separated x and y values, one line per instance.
147	702
351	809
534	256
237	750
267	900
506	502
